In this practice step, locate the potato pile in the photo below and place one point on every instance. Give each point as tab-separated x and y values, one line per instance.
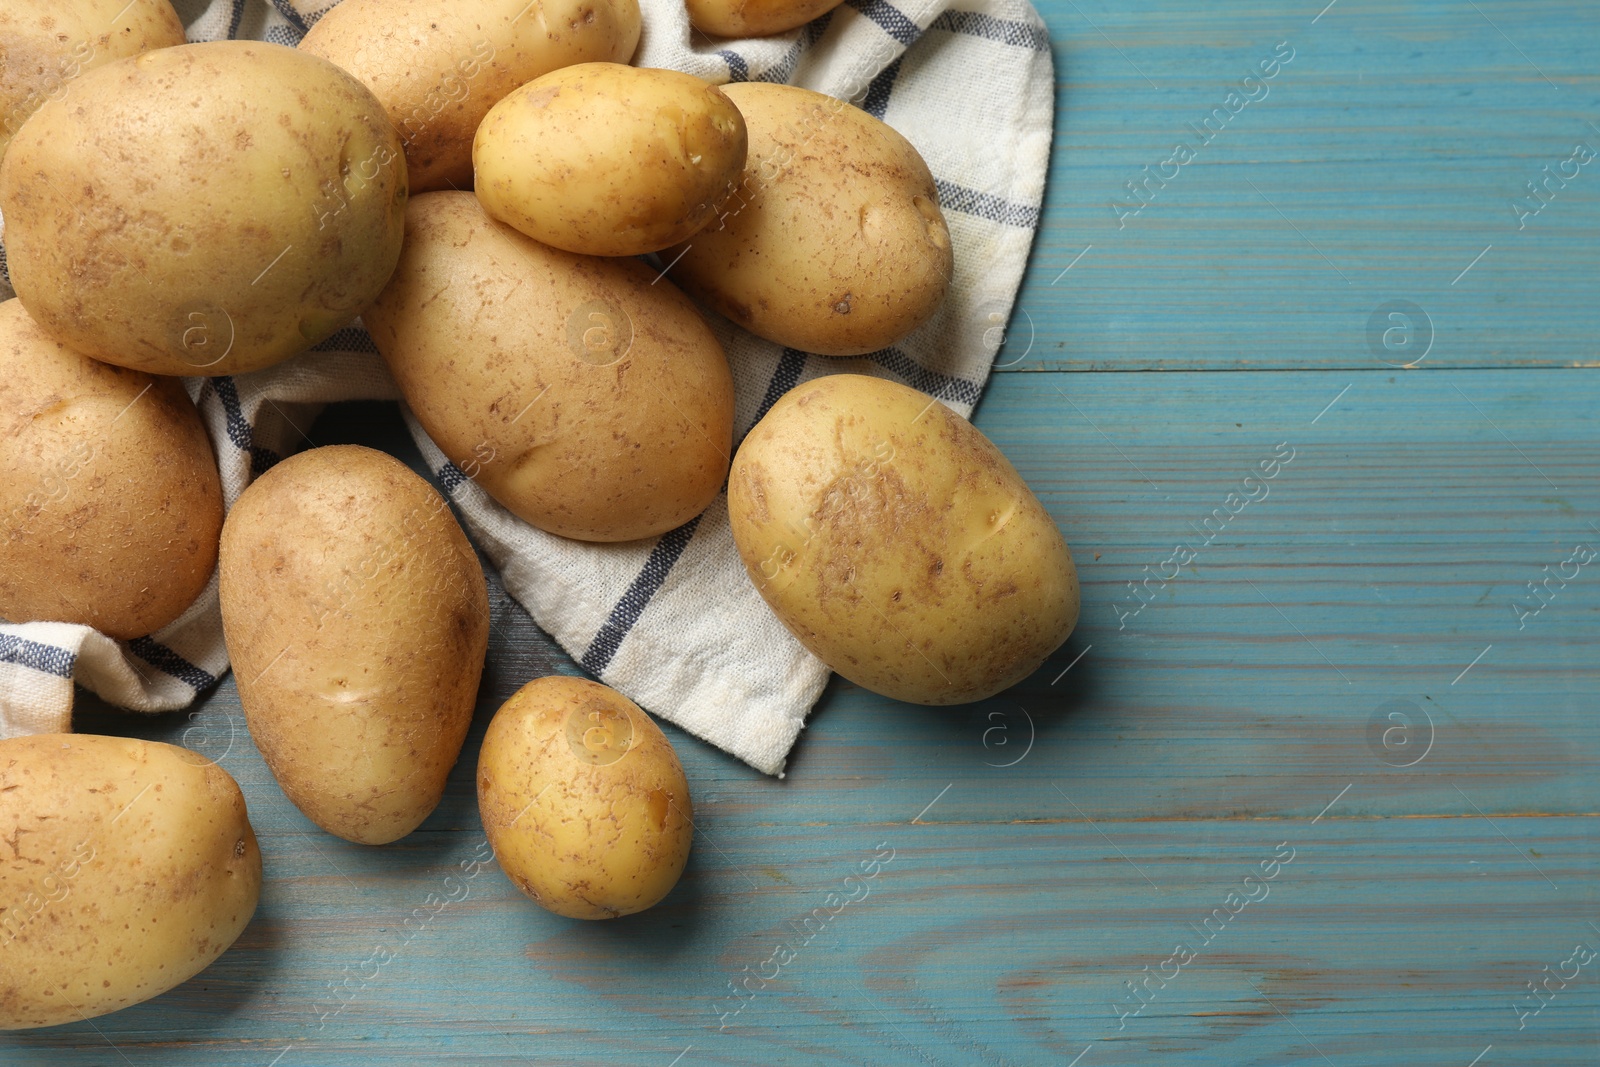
510	209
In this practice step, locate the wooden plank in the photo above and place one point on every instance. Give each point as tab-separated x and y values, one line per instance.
1381	161
958	953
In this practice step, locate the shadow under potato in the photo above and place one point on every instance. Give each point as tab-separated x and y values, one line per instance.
1008	729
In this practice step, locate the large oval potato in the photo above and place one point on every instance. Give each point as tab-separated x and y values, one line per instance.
583	799
357	618
44	44
110	503
585	399
754	18
207	209
898	544
438	66
609	160
130	866
833	241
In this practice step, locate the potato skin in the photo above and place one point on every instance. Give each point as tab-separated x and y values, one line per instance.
132	867
357	618
898	544
754	18
110	502
438	66
207	209
833	241
609	160
44	44
586	400
583	799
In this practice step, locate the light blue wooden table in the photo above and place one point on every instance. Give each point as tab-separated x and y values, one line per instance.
1329	758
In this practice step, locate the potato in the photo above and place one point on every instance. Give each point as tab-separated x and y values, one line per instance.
609	160
357	619
754	18
130	866
897	543
833	241
110	503
440	65
583	799
586	400
44	44
207	209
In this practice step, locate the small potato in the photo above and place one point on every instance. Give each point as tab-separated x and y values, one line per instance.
110	503
609	160
587	400
207	209
583	799
438	66
357	618
754	18
898	544
130	866
44	44
833	241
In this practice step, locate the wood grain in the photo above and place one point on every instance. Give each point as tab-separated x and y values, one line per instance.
1052	843
1383	159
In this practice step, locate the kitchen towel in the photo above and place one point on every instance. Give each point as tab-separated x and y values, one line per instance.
673	622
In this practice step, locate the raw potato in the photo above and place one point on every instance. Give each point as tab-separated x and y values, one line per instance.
583	799
588	401
357	619
207	209
833	241
130	866
754	18
440	65
44	44
110	504
609	160
898	544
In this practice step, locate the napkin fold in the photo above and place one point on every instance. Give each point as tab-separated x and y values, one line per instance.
673	622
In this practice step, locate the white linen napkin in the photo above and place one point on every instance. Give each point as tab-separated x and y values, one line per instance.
672	622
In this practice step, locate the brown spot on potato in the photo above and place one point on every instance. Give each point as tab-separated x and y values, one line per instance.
659	803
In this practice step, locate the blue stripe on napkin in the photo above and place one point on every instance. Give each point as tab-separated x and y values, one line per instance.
347	339
239	430
738	69
164	659
451	478
977	24
940	386
781	71
286	9
633	602
953	197
45	658
876	103
891	19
